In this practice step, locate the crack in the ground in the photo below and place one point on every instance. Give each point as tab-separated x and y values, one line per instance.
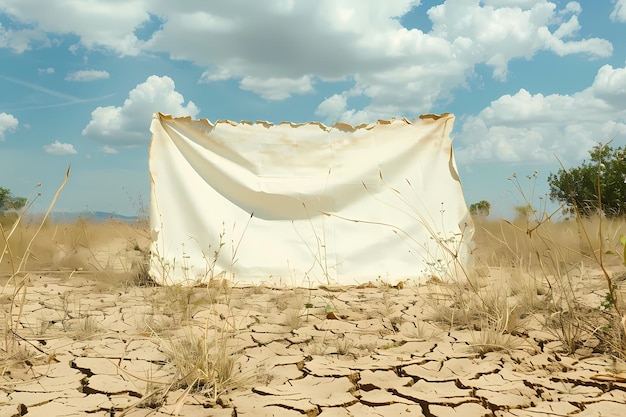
604	386
315	411
534	391
86	371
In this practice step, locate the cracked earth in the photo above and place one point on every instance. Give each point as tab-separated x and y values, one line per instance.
94	348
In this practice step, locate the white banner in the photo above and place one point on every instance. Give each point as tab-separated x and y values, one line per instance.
305	204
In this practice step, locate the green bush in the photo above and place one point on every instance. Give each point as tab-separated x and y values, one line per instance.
482	208
8	205
598	183
9	202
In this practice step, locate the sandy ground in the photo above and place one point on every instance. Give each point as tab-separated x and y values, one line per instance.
99	345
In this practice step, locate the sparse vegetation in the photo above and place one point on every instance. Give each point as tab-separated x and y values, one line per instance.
10	202
533	274
599	184
204	362
86	327
295	314
19	279
482	208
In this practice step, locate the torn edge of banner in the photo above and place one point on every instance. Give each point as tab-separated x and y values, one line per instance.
302	204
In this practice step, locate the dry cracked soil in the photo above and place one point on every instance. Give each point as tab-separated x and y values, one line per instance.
87	347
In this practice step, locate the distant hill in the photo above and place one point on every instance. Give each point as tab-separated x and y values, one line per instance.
95	216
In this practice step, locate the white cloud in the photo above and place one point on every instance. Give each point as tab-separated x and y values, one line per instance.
48	70
573	7
331	107
109	150
500	34
619	12
610	85
22	39
511	3
98	23
8	123
218	74
58	148
277	88
86	75
129	123
529	127
263	46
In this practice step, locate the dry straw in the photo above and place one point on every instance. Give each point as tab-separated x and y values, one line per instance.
20	280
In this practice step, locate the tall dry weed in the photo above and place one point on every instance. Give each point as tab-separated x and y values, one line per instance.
16	287
559	254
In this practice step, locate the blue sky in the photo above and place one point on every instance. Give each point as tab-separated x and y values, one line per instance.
528	80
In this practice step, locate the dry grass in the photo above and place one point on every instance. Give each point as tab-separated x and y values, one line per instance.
204	362
531	275
19	278
503	242
548	263
67	247
538	268
296	304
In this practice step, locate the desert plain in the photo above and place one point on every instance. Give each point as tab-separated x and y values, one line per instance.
532	330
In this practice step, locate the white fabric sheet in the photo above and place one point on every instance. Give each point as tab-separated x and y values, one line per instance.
305	204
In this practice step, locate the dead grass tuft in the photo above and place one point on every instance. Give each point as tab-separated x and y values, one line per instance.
204	363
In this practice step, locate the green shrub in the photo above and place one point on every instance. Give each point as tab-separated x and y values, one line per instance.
599	183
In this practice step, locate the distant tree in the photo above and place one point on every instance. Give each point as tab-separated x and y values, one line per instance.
9	202
482	208
597	184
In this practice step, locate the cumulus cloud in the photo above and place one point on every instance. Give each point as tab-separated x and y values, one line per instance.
86	75
48	70
99	23
610	85
58	148
21	40
332	106
619	12
391	70
8	123
526	127
500	34
129	123
267	51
